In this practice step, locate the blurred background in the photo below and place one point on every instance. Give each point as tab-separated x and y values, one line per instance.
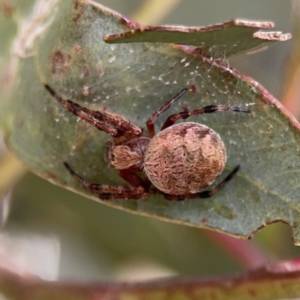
56	234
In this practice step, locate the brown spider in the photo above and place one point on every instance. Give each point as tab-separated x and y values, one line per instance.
179	161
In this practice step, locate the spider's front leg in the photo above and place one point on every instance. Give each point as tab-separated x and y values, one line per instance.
110	192
171	120
113	124
150	122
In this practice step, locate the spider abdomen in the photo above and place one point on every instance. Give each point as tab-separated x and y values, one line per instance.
184	158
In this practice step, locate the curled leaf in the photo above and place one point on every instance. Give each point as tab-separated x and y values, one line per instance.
133	80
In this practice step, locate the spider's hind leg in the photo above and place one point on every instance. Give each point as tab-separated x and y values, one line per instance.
109	192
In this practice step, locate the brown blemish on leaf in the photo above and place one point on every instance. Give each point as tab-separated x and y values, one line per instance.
51	176
78	10
60	62
100	71
77	48
192	88
76	5
124	22
85	71
6	78
7	8
129	23
184	107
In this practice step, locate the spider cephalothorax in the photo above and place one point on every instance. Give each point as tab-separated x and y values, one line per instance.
179	161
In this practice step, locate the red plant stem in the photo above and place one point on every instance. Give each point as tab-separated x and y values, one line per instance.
247	253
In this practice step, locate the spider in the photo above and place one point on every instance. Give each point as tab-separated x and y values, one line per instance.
178	162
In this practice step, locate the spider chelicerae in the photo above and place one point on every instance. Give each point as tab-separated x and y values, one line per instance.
177	162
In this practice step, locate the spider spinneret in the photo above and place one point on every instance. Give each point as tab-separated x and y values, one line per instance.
179	161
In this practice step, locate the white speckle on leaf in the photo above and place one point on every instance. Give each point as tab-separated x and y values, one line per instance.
112	59
138	89
112	47
85	90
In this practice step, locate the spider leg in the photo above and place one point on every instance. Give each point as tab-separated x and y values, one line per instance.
135	180
204	110
109	192
204	194
100	120
155	115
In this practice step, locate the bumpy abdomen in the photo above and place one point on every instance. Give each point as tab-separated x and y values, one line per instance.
184	158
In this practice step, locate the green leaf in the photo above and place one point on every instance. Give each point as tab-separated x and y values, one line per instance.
64	48
219	40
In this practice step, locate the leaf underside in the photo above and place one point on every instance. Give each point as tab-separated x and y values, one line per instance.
67	51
